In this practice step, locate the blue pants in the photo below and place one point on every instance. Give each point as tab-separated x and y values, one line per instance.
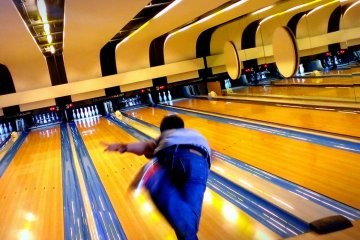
177	190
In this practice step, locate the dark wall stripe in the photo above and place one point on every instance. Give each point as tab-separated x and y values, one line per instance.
7	86
203	50
156	58
293	22
333	26
248	41
108	65
58	76
56	69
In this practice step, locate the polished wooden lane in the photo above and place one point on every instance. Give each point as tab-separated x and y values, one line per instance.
138	216
280	197
348	80
337	92
338	122
331	172
31	190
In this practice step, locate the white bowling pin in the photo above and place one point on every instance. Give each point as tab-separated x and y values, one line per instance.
150	98
96	110
81	113
89	111
5	128
10	127
92	110
165	98
1	129
77	113
169	96
73	114
160	98
86	112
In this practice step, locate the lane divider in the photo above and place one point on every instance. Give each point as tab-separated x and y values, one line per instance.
75	221
107	223
4	141
8	157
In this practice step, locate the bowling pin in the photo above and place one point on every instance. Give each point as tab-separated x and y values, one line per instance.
169	96
96	110
73	114
77	113
89	111
81	113
85	112
165	99
5	128
10	127
1	129
150	98
160	98
92	110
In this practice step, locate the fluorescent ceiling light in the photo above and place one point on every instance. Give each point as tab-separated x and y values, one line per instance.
208	17
319	7
173	4
353	5
42	10
289	10
262	10
52	49
49	38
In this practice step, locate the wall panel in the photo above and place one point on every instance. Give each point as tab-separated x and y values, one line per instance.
87	28
19	51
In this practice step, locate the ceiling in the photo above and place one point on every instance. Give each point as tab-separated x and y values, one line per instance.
30	10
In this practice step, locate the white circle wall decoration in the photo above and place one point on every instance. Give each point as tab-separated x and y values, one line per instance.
231	59
285	51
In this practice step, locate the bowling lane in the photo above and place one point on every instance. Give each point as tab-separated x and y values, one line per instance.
294	204
31	189
316	81
138	216
331	172
312	92
327	121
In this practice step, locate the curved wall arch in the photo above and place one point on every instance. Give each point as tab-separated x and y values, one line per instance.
131	56
294	20
351	20
313	24
87	28
172	52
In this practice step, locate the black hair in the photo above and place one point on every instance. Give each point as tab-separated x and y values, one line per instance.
171	122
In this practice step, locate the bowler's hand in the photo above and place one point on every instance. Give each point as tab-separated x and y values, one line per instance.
115	147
